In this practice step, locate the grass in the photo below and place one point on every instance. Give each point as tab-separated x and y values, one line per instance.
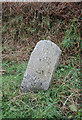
60	101
71	35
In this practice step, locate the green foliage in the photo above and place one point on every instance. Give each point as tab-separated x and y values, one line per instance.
23	26
71	35
49	104
73	108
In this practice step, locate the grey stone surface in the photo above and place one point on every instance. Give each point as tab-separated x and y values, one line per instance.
41	66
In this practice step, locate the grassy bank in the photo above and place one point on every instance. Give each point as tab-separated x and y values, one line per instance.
23	25
60	101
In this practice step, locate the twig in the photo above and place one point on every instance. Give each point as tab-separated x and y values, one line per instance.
72	75
70	87
67	75
67	99
18	96
22	102
2	70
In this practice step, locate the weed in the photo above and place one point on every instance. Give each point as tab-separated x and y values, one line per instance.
71	38
24	24
62	95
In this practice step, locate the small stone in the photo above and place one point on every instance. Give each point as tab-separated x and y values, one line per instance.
41	66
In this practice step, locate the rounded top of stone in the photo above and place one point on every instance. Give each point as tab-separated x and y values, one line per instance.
48	41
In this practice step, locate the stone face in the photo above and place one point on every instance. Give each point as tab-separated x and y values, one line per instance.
41	66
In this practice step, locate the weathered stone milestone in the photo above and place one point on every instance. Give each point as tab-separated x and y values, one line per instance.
41	66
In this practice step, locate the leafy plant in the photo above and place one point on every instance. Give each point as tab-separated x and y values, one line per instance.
59	100
71	38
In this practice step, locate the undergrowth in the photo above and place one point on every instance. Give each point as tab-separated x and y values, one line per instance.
60	101
22	27
71	37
